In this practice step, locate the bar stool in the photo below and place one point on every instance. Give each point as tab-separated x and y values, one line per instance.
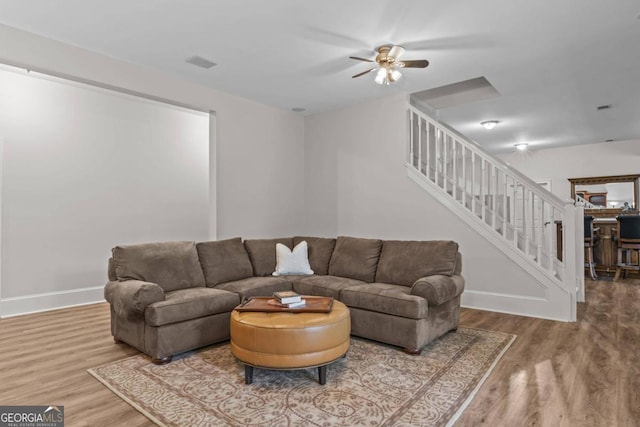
628	241
590	240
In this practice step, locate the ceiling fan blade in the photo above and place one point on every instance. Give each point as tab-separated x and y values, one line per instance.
361	59
364	72
396	52
418	63
462	42
336	39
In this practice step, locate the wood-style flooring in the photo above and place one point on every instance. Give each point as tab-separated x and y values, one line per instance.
585	373
555	374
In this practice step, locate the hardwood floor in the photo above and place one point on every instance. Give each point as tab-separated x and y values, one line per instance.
585	373
555	374
44	360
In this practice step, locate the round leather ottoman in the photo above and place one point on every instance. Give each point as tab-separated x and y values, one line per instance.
284	340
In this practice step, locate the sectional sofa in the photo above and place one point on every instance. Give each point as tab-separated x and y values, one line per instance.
171	297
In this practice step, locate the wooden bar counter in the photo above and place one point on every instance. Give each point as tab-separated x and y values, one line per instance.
605	253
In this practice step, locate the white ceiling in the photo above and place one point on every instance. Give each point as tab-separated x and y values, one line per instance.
553	62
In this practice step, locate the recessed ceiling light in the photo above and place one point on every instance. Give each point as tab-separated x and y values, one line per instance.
298	109
521	146
489	124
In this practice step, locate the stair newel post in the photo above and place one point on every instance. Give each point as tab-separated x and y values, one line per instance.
573	253
518	205
481	188
525	222
532	224
419	144
504	206
494	198
454	156
428	143
547	227
436	159
445	161
411	158
579	241
473	182
464	175
539	231
556	214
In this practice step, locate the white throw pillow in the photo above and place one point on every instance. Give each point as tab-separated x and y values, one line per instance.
292	262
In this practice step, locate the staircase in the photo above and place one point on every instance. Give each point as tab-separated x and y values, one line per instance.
515	214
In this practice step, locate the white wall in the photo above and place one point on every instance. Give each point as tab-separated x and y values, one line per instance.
356	184
559	164
258	150
260	171
86	169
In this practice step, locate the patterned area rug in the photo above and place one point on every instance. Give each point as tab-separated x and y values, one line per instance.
375	385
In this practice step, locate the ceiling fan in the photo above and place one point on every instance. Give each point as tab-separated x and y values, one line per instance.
387	60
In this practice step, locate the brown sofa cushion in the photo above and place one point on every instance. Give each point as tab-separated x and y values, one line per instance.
320	250
131	297
438	289
385	298
404	262
262	253
187	304
224	261
324	286
355	258
257	286
171	265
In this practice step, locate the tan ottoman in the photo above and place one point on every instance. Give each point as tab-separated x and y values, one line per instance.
283	340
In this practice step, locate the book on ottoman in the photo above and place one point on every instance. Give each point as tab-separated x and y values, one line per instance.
287	297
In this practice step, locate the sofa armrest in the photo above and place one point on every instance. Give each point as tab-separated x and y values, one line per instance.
131	297
438	289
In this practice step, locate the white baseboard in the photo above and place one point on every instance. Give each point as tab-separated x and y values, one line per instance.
27	304
513	304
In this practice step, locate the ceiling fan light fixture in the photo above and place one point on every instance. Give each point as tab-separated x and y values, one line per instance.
381	76
489	124
387	60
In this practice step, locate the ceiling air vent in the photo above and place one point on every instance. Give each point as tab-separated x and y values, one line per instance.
603	107
201	62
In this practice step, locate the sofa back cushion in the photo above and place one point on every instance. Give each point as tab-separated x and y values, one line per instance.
224	261
262	253
355	258
171	265
404	262
320	250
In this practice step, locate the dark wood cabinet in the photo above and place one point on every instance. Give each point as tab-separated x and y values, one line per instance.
605	252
